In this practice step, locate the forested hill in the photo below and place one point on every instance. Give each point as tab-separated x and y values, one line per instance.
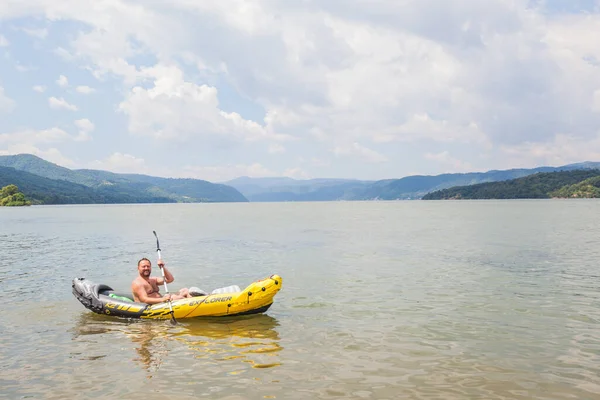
408	187
42	190
544	185
63	185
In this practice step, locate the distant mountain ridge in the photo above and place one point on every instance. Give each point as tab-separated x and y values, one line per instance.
49	183
579	183
409	187
97	186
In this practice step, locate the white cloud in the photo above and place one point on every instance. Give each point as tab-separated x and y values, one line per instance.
174	108
24	68
39	88
223	173
62	81
562	149
60	103
34	137
500	75
4	41
596	101
84	125
38	33
44	143
85	128
360	152
121	163
276	148
421	126
6	103
85	89
449	163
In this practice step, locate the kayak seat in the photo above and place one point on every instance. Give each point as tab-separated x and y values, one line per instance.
121	297
227	289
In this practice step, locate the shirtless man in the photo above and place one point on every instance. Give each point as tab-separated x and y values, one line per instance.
145	289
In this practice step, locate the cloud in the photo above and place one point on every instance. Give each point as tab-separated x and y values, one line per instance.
42	142
596	101
60	103
360	152
562	149
85	128
222	173
422	126
85	89
62	81
24	68
121	163
506	77
177	109
276	148
34	137
39	88
6	103
4	41
38	33
449	163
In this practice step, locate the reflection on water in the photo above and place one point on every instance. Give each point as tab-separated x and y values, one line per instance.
252	340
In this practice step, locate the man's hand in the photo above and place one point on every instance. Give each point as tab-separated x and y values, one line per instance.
160	263
166	297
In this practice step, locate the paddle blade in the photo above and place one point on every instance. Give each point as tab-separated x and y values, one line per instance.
157	244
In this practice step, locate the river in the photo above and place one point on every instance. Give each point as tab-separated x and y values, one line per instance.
380	300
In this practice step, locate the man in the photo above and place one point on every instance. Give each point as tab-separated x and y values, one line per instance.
145	288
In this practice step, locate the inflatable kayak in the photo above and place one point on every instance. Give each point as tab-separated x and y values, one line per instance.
254	299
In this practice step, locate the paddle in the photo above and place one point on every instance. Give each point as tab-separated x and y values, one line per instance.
173	321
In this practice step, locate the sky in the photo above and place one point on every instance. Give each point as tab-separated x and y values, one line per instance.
359	89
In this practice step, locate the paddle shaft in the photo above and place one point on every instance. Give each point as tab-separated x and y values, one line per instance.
173	321
163	273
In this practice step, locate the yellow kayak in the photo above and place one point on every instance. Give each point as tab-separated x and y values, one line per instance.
255	298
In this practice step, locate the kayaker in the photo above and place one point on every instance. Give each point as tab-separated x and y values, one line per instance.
145	288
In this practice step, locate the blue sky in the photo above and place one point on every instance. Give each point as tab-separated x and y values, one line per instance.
339	88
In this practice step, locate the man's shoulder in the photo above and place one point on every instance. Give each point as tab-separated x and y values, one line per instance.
138	282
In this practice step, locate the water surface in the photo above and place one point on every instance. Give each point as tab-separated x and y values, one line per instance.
380	300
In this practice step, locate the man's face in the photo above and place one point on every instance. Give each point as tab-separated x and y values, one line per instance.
144	268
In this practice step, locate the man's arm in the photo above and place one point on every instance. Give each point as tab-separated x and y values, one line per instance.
141	296
168	276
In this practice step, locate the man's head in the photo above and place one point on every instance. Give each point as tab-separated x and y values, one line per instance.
144	267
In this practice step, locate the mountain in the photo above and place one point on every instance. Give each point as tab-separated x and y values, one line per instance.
108	187
288	189
542	185
41	190
410	187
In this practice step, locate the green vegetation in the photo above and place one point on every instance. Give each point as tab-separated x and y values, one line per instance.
578	183
11	197
589	188
48	183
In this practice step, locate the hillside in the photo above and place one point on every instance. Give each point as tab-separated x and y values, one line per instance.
410	187
42	190
541	185
589	188
120	188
